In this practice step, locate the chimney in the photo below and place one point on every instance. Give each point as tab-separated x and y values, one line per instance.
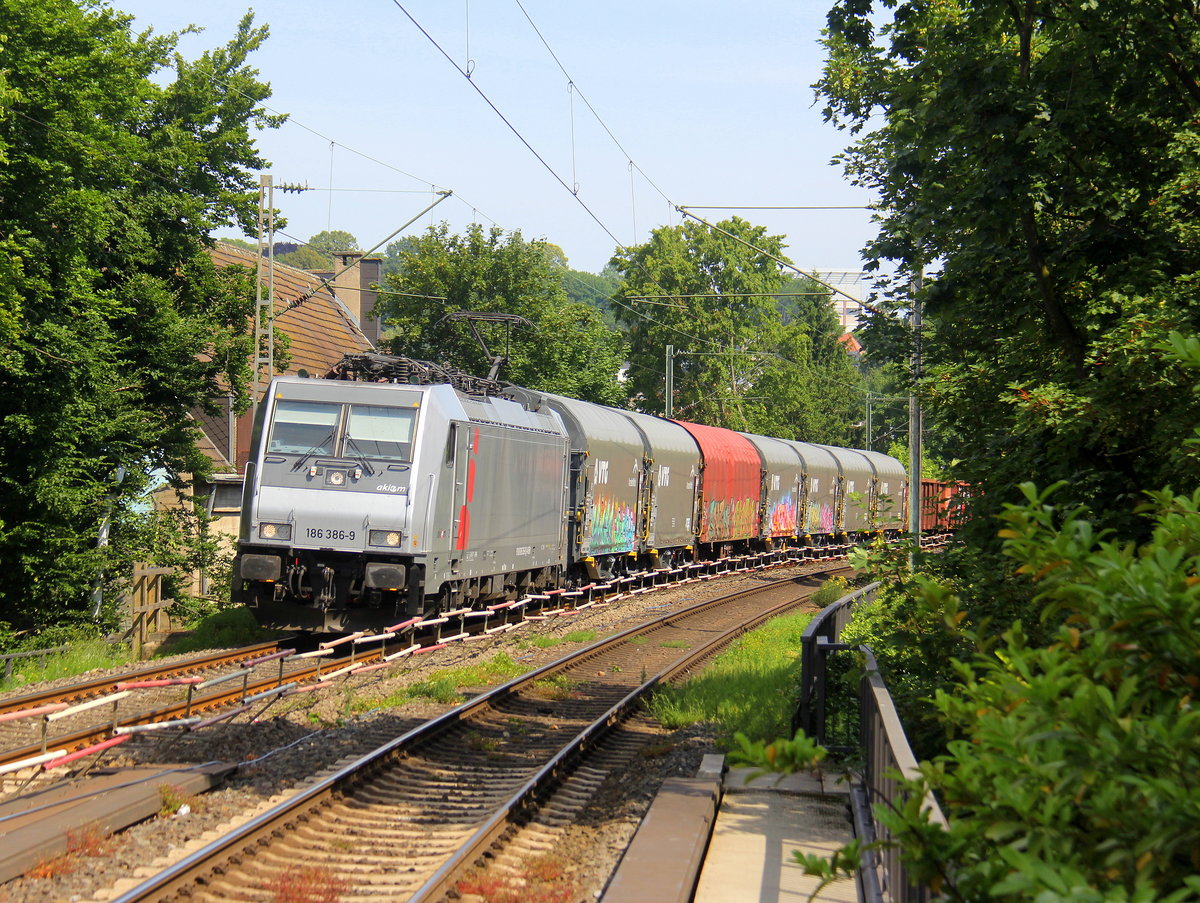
353	287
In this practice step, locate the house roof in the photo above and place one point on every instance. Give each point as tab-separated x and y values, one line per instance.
321	329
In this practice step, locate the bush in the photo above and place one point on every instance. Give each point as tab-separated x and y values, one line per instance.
1075	775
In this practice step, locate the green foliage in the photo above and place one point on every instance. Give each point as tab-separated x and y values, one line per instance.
746	358
569	350
782	757
85	652
120	157
305	258
595	290
1073	777
749	689
831	590
1047	157
223	630
914	629
318	253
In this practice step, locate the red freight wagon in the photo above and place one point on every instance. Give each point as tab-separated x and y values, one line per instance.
941	506
731	485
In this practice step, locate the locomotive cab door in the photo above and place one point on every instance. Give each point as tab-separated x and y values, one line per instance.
462	441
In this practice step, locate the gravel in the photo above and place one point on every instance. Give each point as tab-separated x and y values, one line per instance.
294	741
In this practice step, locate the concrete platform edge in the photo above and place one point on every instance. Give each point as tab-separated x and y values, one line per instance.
663	861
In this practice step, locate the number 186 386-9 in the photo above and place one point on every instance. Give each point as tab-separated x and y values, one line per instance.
329	533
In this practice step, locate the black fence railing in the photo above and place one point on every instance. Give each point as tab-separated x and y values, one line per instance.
886	758
819	642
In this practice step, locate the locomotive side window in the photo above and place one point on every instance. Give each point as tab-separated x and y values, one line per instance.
302	427
375	431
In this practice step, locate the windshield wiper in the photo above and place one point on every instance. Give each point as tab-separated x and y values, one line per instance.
359	455
319	447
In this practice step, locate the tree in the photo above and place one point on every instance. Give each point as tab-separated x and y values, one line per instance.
115	320
306	258
593	289
318	253
568	351
738	364
1043	159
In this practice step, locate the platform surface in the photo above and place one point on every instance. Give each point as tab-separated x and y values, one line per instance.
759	824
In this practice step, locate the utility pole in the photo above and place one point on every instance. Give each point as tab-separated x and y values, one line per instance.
914	410
867	437
264	308
670	389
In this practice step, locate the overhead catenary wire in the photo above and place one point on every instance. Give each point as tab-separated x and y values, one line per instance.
512	128
333	142
779	260
592	109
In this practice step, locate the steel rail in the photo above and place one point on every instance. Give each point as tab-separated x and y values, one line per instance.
106	684
183	874
539	786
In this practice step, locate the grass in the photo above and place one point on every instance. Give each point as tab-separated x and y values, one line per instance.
557	688
750	688
84	654
575	636
444	687
232	627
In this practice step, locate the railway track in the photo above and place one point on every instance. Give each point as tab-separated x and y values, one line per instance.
53	727
406	821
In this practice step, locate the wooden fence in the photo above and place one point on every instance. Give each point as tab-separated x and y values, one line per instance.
145	607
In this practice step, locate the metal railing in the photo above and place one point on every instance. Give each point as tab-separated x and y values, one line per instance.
819	641
889	761
887	758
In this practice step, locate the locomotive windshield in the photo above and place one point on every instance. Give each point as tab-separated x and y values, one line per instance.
342	430
375	431
304	427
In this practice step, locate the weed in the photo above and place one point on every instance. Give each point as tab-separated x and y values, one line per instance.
545	642
173	798
480	743
557	688
89	840
674	644
831	590
541	880
580	636
308	884
638	640
55	867
439	689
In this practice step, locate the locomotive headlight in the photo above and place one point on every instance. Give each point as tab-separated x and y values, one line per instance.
275	531
390	538
335	477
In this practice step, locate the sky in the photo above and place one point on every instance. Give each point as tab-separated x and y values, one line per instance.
700	104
